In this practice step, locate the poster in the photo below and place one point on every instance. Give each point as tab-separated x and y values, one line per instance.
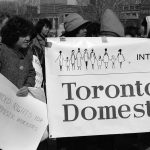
23	120
98	86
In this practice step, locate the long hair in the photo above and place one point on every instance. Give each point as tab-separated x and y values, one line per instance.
14	28
41	23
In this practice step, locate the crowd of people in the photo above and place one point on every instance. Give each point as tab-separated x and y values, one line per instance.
22	62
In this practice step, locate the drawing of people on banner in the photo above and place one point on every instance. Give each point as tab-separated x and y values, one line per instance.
73	59
106	58
120	57
92	58
67	64
99	62
79	59
113	60
60	60
86	58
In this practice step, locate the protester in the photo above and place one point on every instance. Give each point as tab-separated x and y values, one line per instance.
15	56
76	26
42	27
111	25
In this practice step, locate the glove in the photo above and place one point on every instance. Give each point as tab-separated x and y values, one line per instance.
23	91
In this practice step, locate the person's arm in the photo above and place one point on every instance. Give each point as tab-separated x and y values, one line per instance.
30	81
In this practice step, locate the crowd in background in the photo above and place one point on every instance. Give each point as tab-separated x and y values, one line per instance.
22	62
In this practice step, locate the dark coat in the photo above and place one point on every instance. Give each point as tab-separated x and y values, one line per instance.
17	67
38	48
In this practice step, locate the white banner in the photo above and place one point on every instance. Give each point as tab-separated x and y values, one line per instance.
23	120
98	86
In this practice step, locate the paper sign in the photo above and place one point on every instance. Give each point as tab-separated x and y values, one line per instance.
96	87
23	120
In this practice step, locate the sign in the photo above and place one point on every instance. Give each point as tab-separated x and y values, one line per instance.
96	87
23	120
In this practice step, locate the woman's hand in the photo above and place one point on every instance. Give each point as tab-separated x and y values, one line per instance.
23	91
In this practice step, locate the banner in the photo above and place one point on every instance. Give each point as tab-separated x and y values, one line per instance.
98	86
23	120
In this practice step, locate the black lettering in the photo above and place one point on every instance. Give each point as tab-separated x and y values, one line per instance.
83	113
88	92
121	111
108	110
140	110
124	90
116	93
66	112
69	90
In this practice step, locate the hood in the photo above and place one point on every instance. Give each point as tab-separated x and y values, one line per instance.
111	23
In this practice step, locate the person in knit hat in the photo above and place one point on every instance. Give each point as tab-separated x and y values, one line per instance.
76	26
111	25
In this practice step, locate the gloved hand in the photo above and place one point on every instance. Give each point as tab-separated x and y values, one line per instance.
23	91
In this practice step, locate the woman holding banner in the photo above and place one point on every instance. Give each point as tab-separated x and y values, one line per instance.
15	55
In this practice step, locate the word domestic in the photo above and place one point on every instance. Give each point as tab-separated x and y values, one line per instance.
72	111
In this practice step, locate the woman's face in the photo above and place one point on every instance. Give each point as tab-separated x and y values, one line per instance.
23	42
81	33
45	31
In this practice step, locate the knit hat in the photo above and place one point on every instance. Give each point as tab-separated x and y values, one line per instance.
111	23
73	21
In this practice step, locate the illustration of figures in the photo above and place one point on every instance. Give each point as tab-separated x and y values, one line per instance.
73	59
67	63
92	58
99	62
106	58
86	58
60	59
120	57
79	59
113	59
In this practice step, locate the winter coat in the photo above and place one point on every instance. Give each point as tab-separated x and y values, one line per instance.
111	25
38	48
17	67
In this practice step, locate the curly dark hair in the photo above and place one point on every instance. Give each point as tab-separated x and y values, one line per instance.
16	27
41	23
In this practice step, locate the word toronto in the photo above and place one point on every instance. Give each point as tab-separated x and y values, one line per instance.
72	112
